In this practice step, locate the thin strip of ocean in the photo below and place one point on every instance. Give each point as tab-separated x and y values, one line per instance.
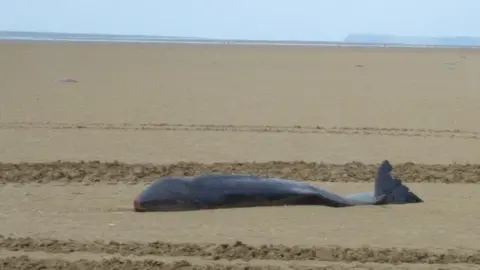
66	37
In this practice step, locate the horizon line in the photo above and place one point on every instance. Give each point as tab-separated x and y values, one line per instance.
222	39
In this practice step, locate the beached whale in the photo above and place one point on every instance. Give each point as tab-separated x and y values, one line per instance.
231	191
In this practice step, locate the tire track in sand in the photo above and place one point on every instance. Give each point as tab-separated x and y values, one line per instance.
17	253
117	172
352	131
39	260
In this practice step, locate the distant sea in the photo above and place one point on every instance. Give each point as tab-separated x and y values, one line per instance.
69	37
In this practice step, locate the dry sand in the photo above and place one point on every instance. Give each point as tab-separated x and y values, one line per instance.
326	115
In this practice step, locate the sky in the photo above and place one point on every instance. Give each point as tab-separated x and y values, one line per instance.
245	19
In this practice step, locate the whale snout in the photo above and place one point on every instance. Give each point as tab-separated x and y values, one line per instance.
137	206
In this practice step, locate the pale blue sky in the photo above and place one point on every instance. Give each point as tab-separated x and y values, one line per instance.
246	19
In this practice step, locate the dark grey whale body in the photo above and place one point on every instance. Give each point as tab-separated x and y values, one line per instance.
231	191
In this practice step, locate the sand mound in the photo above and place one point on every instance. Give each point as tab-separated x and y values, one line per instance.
29	252
116	172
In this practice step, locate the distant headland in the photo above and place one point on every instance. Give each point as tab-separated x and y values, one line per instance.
413	40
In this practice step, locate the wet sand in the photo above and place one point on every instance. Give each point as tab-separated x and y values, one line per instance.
326	115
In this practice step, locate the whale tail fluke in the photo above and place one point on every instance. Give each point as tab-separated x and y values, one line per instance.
391	190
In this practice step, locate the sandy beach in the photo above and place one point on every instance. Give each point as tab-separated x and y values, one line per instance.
84	126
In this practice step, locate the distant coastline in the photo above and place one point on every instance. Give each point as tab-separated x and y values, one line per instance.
358	40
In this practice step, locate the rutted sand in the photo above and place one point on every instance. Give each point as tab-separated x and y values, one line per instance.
90	172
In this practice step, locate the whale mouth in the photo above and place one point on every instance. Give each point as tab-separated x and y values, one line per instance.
137	207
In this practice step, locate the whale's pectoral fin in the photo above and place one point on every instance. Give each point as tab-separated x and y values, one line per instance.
389	190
